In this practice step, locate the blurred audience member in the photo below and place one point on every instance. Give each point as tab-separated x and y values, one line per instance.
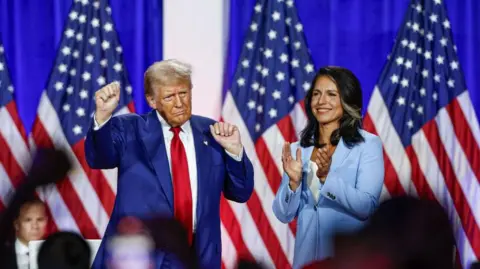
30	224
64	250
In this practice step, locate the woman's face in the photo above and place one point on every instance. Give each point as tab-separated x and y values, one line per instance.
326	105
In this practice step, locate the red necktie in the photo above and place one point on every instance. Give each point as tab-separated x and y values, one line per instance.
182	193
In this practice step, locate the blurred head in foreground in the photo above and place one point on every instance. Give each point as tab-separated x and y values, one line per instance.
64	250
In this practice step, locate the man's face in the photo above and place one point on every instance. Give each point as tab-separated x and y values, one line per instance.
174	103
31	223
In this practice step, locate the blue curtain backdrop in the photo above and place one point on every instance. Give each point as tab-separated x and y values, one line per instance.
357	34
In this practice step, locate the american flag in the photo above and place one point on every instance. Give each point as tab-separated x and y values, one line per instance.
89	56
265	101
14	152
422	111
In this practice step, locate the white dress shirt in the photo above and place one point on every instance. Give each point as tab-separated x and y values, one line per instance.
186	136
21	250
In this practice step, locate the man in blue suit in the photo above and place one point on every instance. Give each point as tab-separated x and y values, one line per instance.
170	162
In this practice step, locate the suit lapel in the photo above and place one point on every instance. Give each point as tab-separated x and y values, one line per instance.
203	159
154	144
340	154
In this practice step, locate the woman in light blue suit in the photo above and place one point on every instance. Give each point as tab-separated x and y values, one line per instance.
333	179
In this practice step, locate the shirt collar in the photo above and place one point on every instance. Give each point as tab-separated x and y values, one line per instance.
186	127
20	248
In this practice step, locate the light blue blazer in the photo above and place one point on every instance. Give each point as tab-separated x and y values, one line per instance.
349	196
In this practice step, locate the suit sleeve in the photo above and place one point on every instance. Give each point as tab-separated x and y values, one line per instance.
239	182
104	146
287	202
362	199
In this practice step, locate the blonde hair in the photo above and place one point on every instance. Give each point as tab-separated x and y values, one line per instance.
167	73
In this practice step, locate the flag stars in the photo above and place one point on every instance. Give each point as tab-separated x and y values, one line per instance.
10	88
410	124
66	107
401	101
79	37
408	64
69	33
84	2
420	110
443	41
437	78
254	26
249	45
276	94
264	72
272	113
258	8
280	76
295	63
438	2
435	96
259	109
272	34
83	94
89	58
66	51
104	63
288	21
419	8
309	68
297	45
419	50
82	19
73	72
423	92
439	59
394	78
118	49
257	127
428	55
245	63
446	24
105	45
70	90
430	36
62	68
404	43
425	73
415	27
80	112
255	86
58	86
77	130
451	83
1	49
2	66
95	23
251	104
306	86
412	45
241	82
101	81
292	81
73	15
86	76
92	40
276	16
286	40
404	82
433	18
291	99
283	58
261	90
299	27
96	4
128	89
399	60
75	54
454	65
108	27
268	53
117	67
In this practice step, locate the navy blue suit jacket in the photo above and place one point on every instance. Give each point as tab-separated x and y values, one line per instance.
135	145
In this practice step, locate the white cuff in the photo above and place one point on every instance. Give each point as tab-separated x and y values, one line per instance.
97	126
238	157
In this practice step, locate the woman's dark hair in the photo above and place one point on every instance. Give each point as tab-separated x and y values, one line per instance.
351	100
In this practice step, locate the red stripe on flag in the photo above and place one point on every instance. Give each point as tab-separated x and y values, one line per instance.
234	230
465	136
287	129
417	176
131	107
10	164
391	180
266	232
12	109
460	202
66	189
96	178
271	170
